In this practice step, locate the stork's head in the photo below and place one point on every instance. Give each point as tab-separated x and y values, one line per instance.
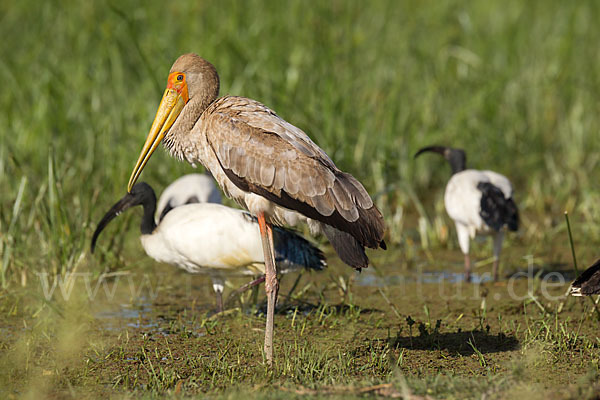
455	157
192	80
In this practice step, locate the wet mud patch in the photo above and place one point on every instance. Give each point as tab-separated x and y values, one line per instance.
333	334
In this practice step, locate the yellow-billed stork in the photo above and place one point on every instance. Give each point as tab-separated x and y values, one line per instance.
267	165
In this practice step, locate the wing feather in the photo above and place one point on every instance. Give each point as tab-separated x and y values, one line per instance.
292	181
261	152
279	180
267	174
341	197
324	205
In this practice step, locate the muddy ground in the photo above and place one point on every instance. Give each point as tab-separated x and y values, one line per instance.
392	330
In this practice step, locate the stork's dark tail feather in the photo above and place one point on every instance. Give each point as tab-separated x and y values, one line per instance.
347	247
294	252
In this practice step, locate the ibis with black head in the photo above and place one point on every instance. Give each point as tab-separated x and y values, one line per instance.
212	239
479	202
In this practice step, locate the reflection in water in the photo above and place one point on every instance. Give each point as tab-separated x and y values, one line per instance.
125	313
371	279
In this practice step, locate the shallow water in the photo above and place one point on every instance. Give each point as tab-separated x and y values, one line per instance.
166	291
127	314
370	279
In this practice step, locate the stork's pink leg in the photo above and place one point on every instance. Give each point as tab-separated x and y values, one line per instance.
271	285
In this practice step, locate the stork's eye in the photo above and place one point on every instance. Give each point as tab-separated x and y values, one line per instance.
179	77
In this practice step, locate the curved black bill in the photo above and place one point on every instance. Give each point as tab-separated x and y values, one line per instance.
435	149
129	200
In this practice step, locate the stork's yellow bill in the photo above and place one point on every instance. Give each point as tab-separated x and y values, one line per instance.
174	99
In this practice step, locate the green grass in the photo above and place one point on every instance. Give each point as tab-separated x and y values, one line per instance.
516	84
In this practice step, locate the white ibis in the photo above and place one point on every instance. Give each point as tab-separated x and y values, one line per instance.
479	202
190	188
588	283
267	165
211	238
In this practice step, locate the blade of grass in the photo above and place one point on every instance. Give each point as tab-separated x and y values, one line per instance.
571	244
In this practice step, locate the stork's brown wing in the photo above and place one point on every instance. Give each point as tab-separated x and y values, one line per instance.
264	154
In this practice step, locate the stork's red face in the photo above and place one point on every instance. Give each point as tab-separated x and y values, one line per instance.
175	98
177	82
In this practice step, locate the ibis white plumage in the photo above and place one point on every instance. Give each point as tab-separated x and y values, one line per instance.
188	189
479	202
211	238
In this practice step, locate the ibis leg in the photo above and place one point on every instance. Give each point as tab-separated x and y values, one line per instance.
271	285
467	268
463	240
497	248
218	286
495	269
219	302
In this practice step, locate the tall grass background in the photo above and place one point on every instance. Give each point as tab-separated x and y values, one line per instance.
516	84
